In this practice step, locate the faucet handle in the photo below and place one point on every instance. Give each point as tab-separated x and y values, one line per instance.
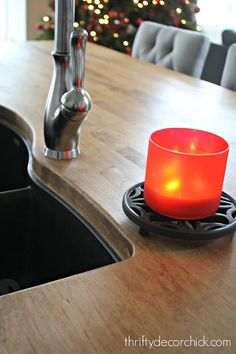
78	43
76	103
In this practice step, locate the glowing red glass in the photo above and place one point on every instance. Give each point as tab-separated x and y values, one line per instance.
185	172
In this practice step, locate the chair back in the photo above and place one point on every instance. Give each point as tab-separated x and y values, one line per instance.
229	73
228	37
174	48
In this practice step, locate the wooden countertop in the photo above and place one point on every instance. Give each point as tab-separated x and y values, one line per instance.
167	288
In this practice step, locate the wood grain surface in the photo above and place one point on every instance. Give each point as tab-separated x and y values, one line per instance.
162	287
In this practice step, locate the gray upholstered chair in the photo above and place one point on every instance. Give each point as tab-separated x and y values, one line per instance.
228	37
229	73
177	49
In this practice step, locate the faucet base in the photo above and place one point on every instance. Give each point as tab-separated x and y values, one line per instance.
61	155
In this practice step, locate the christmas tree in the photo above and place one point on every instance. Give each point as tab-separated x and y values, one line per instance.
113	23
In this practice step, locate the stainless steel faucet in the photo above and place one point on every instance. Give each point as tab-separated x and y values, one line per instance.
68	103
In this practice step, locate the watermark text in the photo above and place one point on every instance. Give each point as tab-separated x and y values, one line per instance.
157	342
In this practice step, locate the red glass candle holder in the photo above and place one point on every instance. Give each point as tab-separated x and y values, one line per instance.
185	172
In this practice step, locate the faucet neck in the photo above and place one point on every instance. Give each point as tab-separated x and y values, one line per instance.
64	19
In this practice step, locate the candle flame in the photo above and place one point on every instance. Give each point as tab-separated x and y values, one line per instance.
192	147
173	185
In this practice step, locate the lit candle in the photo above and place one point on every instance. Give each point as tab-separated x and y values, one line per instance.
185	172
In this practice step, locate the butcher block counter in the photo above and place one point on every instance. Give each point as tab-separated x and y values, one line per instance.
162	289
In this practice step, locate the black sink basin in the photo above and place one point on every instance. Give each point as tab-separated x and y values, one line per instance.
42	239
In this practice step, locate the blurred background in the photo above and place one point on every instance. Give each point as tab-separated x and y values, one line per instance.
22	20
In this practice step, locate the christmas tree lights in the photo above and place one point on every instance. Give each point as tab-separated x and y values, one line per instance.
113	23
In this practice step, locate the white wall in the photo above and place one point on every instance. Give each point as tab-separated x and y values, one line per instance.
2	20
15	20
215	16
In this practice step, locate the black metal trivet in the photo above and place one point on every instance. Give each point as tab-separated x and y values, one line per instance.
220	224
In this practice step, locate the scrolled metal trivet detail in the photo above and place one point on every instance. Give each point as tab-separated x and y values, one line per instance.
220	224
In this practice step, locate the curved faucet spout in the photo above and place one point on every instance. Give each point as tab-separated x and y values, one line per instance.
68	102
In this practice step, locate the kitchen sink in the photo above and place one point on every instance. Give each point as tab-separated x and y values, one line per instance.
42	238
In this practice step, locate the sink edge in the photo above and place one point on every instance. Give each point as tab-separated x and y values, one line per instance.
76	199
